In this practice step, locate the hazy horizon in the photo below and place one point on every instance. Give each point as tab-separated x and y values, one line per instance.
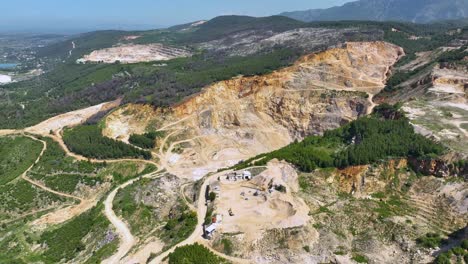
67	16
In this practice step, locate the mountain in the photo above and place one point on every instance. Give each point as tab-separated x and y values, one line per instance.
417	11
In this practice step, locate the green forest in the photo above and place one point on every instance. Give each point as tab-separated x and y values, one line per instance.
88	141
145	141
364	141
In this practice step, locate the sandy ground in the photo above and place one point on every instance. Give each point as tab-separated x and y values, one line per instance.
70	119
142	255
265	211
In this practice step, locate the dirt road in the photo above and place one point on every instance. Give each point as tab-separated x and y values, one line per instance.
126	238
196	236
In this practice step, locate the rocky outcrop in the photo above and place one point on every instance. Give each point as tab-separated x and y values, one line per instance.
434	167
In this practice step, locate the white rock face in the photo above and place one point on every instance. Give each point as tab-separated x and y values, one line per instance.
5	79
134	54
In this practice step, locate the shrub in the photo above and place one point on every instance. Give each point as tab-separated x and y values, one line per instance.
280	188
212	196
360	258
464	244
430	240
227	245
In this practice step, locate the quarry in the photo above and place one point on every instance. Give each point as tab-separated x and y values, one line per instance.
209	176
247	116
132	53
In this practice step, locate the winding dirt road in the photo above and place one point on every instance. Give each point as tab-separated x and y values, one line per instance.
126	238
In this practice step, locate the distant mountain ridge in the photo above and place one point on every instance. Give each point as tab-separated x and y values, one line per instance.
417	11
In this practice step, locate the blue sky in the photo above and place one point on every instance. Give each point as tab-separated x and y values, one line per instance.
98	14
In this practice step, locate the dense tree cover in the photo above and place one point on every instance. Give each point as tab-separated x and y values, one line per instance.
373	140
364	141
146	141
88	141
194	254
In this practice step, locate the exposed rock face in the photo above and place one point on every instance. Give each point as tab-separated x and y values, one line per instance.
245	116
134	54
320	92
430	167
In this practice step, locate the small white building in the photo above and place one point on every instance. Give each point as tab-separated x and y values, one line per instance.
247	175
239	175
209	230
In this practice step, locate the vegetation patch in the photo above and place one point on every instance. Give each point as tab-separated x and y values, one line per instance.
63	173
430	240
145	141
16	155
66	241
22	197
88	141
360	258
194	254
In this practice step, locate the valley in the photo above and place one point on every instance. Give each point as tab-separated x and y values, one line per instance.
265	141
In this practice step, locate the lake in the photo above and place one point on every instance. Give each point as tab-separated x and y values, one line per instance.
7	66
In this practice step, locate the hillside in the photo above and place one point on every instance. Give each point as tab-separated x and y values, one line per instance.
221	49
418	11
239	140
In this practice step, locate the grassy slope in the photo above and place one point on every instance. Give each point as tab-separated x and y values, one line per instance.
14	160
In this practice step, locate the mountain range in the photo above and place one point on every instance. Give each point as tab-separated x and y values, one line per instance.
417	11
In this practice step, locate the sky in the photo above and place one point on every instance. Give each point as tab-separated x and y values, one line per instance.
57	15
